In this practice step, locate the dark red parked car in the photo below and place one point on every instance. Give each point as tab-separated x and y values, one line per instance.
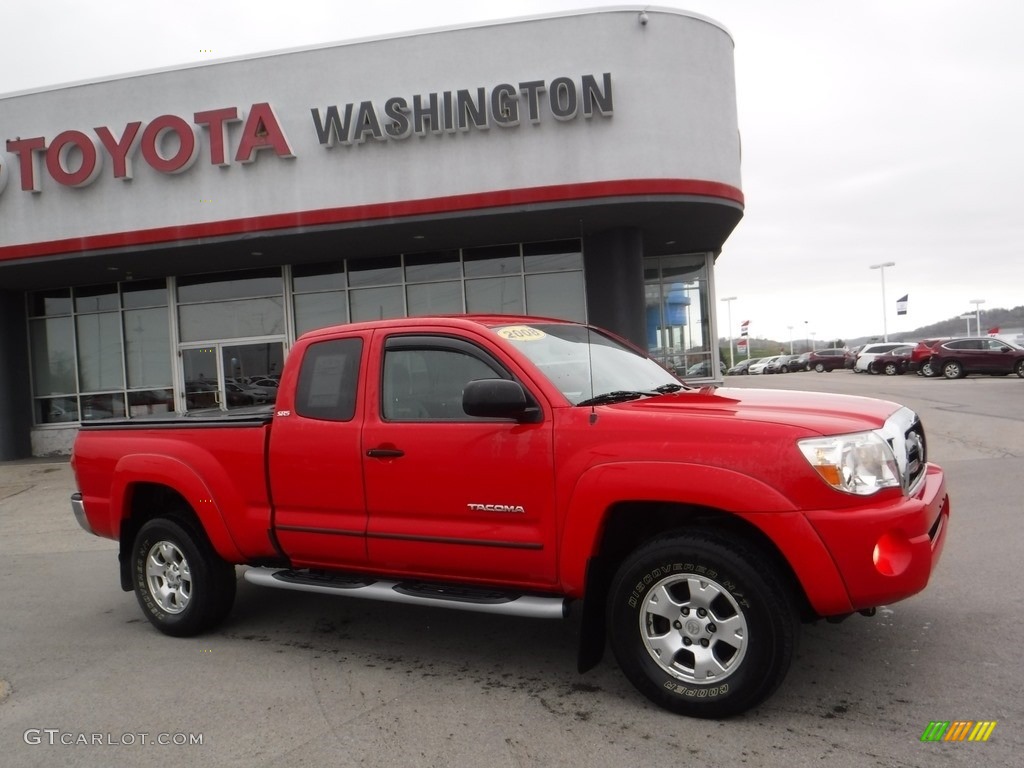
955	358
893	363
822	360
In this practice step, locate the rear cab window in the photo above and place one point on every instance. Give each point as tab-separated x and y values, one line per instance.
328	379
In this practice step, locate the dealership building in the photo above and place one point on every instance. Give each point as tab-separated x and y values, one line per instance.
165	236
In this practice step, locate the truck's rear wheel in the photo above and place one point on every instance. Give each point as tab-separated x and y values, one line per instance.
701	627
184	588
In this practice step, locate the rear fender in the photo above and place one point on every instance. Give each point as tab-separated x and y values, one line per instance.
178	476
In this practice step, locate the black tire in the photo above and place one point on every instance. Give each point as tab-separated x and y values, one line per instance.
182	585
744	625
926	370
952	369
891	369
819	367
1019	369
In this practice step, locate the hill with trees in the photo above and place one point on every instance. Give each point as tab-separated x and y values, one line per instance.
1007	320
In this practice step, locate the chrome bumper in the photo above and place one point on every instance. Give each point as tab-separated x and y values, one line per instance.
78	507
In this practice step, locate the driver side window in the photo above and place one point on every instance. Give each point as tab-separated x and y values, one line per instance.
426	384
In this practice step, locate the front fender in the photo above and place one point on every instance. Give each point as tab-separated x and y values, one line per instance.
604	485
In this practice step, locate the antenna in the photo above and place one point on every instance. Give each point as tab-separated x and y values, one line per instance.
590	372
590	348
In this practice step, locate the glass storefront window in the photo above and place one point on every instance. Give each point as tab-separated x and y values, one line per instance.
56	410
147	348
144	293
150	402
678	314
100	354
231	319
108	406
503	295
435	298
556	295
97	298
110	350
319	310
552	257
318	277
53	356
50	303
367	272
427	267
230	285
377	303
492	261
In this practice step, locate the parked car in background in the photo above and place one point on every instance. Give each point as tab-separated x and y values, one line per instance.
921	355
782	364
893	363
703	369
827	360
955	358
760	365
269	387
869	352
740	369
801	362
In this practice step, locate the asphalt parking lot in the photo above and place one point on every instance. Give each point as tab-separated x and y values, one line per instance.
305	680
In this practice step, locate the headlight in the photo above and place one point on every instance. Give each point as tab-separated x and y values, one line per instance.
861	463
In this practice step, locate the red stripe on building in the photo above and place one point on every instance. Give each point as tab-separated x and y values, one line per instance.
427	206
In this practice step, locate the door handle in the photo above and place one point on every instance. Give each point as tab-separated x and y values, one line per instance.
385	453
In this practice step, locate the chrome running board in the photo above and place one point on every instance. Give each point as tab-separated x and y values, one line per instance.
456	596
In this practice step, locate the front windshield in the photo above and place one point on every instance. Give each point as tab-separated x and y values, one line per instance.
584	363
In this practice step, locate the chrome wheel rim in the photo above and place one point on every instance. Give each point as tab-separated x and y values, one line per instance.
168	577
693	629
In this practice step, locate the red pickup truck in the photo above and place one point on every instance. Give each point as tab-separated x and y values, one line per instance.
521	466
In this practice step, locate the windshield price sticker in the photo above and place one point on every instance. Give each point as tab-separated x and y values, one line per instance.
521	333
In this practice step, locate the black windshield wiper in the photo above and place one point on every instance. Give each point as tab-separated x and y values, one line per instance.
664	389
619	396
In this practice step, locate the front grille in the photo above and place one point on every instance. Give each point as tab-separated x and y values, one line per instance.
905	435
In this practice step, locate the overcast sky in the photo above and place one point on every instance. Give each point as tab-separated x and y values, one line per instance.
873	131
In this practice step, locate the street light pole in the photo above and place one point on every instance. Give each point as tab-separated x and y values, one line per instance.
790	327
977	314
967	317
881	267
728	307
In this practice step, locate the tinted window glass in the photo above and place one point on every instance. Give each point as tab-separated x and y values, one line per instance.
327	380
230	285
427	384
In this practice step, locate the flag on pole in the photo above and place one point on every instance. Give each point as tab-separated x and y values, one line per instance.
743	327
993	331
901	305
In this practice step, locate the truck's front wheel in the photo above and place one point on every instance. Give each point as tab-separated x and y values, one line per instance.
701	627
184	588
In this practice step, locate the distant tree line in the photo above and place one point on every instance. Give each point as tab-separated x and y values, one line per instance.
1003	319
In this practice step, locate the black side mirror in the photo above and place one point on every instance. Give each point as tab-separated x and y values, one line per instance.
500	399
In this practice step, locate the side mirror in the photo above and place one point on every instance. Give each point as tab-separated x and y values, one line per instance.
498	398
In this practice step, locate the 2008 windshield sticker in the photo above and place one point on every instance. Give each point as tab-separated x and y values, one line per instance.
521	333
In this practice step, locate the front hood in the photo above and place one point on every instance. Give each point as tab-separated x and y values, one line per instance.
825	414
